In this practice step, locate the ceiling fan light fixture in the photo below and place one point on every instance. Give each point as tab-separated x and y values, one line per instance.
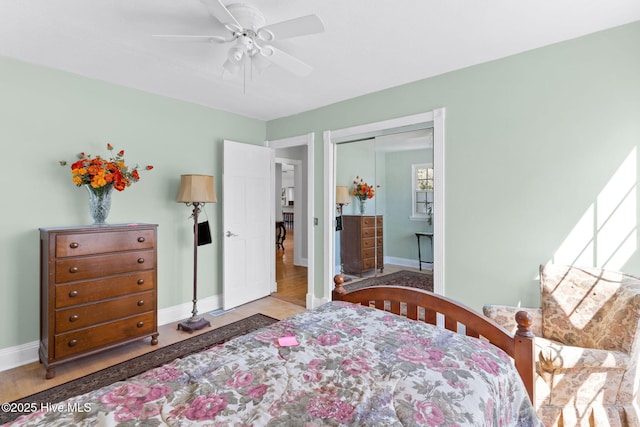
231	67
236	54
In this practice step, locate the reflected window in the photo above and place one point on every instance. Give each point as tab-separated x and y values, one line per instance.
422	199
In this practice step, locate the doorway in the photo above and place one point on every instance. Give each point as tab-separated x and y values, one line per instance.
293	261
290	263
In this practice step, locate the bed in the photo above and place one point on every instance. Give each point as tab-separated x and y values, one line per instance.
428	307
338	364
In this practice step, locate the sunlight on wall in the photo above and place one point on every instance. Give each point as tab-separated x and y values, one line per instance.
606	235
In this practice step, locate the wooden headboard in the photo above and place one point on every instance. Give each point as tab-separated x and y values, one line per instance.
421	305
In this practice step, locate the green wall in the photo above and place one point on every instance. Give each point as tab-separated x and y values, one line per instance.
399	233
531	142
47	116
392	172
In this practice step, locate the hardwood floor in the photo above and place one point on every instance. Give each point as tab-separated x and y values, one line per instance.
28	379
291	279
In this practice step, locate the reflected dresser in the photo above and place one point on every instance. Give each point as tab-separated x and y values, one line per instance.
361	243
98	290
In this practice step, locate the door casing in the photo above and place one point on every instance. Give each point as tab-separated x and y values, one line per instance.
437	117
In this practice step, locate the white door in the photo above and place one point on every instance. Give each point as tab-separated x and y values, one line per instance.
248	230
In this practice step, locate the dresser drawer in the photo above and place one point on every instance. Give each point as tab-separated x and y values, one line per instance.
91	314
368	243
368	221
369	232
75	293
368	253
71	269
78	341
368	263
68	245
372	252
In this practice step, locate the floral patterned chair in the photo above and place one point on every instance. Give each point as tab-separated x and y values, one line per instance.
587	345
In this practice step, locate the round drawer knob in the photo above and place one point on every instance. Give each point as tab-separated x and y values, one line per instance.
141	239
74	245
140	281
74	270
140	324
140	260
73	294
141	303
72	343
74	318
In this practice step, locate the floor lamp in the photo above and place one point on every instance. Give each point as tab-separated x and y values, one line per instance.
195	190
342	198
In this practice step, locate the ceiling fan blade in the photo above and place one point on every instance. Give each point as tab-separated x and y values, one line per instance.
286	61
193	39
221	13
302	26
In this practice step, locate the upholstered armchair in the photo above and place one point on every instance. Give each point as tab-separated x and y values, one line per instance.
587	346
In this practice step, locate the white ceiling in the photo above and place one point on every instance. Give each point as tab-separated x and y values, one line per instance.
368	45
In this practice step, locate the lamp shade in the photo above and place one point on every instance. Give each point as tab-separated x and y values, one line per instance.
196	188
342	195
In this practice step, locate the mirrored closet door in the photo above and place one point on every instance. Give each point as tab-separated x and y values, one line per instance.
388	222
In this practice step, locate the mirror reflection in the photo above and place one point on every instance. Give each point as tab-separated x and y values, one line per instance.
387	224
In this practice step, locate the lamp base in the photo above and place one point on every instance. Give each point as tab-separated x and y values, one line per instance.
193	325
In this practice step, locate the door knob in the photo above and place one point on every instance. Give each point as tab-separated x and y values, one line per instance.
230	234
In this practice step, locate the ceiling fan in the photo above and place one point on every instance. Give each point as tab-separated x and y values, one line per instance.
250	38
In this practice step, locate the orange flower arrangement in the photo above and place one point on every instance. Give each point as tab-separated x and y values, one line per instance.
100	173
362	190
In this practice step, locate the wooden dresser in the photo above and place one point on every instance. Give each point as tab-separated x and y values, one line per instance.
361	243
98	290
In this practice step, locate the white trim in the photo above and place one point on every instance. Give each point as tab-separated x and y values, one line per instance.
309	141
181	311
384	125
438	201
329	213
12	357
23	354
437	117
408	262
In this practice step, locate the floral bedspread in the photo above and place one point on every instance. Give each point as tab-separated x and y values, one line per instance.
353	366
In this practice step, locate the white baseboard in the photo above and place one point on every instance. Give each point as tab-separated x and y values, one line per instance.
23	354
12	357
407	262
402	262
183	311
